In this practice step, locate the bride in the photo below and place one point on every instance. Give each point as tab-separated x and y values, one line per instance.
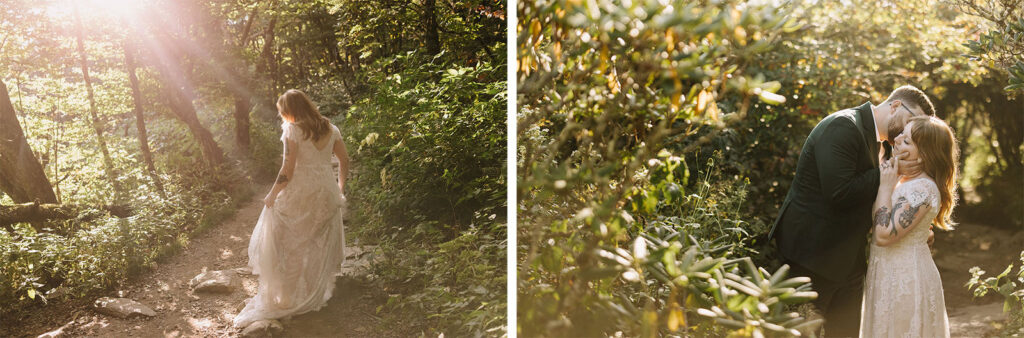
902	290
299	240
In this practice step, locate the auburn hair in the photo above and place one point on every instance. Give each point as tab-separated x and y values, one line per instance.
295	107
938	150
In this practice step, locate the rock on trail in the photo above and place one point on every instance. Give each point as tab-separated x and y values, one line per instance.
122	307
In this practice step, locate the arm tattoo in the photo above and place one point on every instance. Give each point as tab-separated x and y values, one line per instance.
907	217
892	216
281	179
881	216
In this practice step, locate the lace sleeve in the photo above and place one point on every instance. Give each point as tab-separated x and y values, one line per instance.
923	191
289	132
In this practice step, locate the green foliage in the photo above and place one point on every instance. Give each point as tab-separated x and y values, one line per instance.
618	232
999	47
455	287
427	144
431	188
38	267
1009	286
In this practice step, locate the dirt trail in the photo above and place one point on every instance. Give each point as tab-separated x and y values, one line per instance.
183	313
955	252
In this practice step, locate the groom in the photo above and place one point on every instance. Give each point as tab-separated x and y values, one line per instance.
822	228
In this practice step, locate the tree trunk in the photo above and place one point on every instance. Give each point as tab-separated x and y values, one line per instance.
175	87
229	65
183	109
21	175
140	121
37	213
334	53
108	163
268	64
242	106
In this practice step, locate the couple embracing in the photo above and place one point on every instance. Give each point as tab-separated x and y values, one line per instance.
870	183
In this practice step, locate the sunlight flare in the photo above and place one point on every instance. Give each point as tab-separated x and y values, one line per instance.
93	9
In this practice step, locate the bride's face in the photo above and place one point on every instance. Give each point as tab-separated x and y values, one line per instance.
904	144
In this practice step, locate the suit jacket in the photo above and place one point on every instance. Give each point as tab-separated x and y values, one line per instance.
824	221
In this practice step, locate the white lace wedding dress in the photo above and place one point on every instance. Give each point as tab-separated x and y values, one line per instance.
902	289
299	244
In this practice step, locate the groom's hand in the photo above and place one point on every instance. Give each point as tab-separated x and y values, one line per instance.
909	167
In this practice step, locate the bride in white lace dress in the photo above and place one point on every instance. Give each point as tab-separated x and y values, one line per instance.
902	289
299	241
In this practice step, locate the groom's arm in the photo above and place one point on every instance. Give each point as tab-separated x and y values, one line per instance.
836	153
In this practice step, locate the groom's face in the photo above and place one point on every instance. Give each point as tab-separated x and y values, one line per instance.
899	114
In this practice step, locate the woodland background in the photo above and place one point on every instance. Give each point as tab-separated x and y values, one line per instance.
126	127
657	141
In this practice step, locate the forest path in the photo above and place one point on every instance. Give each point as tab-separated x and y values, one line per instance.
955	252
180	312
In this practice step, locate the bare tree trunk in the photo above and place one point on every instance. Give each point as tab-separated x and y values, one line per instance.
108	163
39	213
183	109
433	40
230	67
140	121
21	175
268	65
330	41
242	106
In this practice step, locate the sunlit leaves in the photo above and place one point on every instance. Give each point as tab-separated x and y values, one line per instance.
603	86
432	187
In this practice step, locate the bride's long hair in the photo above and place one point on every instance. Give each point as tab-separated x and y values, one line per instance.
938	150
295	107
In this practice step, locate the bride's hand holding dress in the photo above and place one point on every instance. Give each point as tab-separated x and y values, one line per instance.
297	246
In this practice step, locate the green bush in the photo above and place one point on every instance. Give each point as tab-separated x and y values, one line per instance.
1010	287
39	266
627	226
428	183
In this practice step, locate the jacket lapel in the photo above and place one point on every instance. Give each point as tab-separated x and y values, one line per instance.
866	122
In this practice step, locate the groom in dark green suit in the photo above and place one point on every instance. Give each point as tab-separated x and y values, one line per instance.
822	228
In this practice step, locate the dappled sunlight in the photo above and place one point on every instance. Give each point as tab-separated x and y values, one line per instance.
201	324
226	253
148	123
173	333
96	322
163	286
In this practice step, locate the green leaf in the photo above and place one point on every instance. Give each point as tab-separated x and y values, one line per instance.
771	98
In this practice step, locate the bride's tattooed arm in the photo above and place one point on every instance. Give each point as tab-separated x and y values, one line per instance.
283	176
891	225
